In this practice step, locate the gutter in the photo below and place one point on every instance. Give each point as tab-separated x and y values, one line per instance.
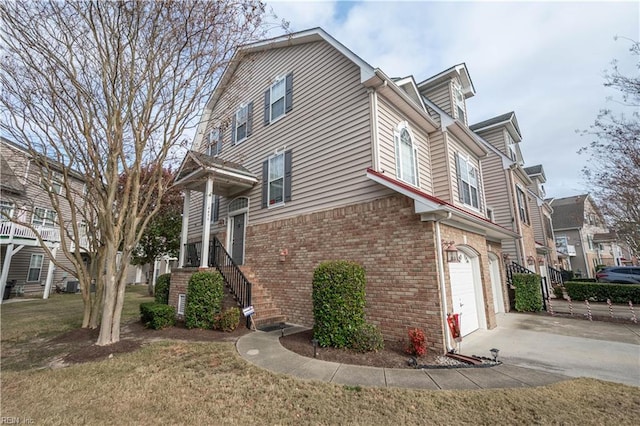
443	290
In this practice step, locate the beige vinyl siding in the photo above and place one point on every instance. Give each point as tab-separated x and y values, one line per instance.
455	146
496	189
441	96
389	119
496	138
328	132
440	169
536	221
19	269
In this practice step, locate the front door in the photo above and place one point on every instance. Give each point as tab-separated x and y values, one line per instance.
237	238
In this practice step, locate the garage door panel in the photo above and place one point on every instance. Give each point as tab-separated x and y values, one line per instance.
463	295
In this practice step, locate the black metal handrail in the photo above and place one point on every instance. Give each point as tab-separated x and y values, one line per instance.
220	259
555	276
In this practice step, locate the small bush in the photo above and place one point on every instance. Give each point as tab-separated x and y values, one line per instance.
528	293
338	302
157	315
558	291
204	299
417	345
227	320
600	292
366	338
163	283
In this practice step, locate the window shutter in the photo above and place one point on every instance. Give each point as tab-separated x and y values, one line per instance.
265	184
288	94
249	118
233	129
216	209
219	142
287	176
459	178
267	105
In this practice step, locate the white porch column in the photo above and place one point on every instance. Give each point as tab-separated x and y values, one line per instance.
47	286
206	226
185	226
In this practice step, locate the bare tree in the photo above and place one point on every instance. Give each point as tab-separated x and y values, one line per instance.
614	170
106	89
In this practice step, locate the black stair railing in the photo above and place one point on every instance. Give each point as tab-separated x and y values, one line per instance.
233	277
516	268
555	276
192	254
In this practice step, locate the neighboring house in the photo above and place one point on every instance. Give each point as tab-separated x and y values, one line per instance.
506	182
541	213
576	222
306	153
26	266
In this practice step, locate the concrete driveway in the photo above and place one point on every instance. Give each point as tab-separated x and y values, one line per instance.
571	346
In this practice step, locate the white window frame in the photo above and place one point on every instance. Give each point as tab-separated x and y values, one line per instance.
244	108
272	179
214	137
273	99
412	176
53	184
466	176
8	207
34	266
458	101
523	212
48	218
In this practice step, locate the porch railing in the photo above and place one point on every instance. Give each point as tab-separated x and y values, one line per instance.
516	268
220	259
555	276
10	231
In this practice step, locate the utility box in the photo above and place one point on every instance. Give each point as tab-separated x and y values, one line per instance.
72	287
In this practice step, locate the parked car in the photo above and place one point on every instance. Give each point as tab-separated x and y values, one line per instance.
619	274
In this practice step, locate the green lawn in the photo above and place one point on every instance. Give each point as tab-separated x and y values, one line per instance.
177	382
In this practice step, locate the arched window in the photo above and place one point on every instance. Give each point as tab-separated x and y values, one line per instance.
406	155
238	204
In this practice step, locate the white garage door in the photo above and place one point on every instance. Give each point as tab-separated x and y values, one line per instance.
463	295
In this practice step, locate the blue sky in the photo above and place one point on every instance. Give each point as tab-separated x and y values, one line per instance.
543	60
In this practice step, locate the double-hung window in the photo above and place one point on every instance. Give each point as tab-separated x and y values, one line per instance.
214	144
276	179
468	182
35	267
242	115
458	98
278	98
44	217
6	209
522	205
406	156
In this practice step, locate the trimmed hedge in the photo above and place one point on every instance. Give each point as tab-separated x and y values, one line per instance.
528	293
600	292
204	299
584	280
157	315
227	320
163	283
338	302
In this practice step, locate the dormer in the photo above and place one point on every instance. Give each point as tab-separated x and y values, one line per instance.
449	90
503	133
537	176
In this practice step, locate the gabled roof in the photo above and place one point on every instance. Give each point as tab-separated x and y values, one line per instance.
8	179
507	120
536	170
459	70
568	212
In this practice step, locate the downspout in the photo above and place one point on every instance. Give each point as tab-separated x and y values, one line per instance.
443	290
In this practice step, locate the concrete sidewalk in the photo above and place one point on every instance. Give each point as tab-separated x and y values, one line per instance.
535	349
263	349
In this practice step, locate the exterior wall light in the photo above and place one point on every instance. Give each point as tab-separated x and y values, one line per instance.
450	251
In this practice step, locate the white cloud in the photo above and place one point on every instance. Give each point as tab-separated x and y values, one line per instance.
543	60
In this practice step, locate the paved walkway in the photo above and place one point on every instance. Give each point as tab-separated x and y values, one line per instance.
536	350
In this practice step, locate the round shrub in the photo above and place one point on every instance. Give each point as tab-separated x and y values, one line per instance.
367	338
338	302
163	283
204	299
227	320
